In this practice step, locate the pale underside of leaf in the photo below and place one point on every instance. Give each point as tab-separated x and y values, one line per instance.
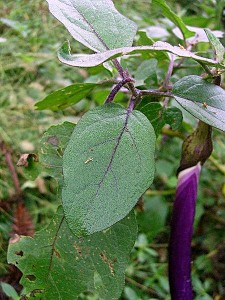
208	114
107	165
94	23
62	266
91	60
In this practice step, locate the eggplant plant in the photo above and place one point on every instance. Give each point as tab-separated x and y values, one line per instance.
106	162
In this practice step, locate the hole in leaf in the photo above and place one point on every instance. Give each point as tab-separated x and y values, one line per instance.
31	277
19	253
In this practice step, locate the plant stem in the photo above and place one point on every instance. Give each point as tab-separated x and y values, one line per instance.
116	89
169	73
9	162
155	93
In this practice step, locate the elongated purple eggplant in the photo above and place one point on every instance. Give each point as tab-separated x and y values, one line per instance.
181	234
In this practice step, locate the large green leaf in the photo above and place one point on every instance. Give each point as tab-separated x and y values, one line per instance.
167	12
107	165
53	144
65	97
91	60
62	266
204	100
95	23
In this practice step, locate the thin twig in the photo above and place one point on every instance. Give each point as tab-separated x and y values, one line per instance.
141	286
12	170
116	89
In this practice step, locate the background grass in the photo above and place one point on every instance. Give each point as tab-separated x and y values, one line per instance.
29	70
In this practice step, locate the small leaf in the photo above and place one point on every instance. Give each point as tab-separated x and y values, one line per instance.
63	266
173	116
204	100
53	144
91	60
107	165
30	164
9	291
96	23
66	97
216	44
167	12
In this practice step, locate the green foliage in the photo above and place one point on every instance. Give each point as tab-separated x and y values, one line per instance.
88	23
206	101
59	266
53	144
110	157
30	72
66	97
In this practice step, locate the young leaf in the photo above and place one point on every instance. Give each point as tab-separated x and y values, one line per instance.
63	266
96	23
167	12
65	97
204	100
91	60
53	144
216	44
107	165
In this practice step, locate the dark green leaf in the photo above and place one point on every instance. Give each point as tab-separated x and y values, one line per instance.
173	116
66	97
96	23
167	12
216	44
53	144
63	266
107	165
204	100
154	112
91	60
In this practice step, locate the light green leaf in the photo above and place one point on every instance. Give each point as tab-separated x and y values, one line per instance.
167	12
62	266
91	60
107	165
53	144
216	44
9	291
204	100
66	97
96	23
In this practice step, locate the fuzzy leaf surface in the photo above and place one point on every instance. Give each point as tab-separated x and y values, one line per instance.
107	165
92	60
94	23
204	100
63	266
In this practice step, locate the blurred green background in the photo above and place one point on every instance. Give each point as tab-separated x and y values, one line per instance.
30	70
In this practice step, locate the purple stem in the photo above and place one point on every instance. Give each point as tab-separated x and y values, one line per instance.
181	234
116	89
